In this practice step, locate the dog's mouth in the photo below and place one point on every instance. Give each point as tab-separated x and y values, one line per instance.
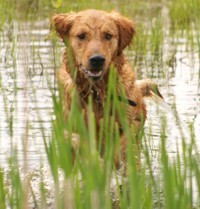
94	74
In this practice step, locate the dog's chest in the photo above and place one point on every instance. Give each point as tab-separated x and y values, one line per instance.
97	102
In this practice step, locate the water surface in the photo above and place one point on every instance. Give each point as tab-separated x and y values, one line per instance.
28	63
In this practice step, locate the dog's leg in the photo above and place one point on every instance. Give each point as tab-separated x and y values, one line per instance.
121	156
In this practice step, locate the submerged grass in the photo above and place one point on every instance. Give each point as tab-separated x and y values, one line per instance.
79	178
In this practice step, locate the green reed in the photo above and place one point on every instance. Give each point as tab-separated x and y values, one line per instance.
81	179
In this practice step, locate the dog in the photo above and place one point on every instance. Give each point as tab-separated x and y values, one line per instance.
97	40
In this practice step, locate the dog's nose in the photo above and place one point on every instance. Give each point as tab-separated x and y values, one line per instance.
97	61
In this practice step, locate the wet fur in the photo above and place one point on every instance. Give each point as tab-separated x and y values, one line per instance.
96	24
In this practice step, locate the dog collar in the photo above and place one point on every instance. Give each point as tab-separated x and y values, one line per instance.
128	101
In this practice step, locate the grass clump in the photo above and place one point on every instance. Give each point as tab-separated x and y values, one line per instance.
77	178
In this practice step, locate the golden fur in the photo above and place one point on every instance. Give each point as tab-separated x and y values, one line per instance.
97	40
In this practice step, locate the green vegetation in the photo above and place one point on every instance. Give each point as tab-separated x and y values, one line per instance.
80	179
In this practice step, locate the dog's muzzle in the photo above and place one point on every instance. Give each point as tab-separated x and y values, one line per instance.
96	67
96	61
92	74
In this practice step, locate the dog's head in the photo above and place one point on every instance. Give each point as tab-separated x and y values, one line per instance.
96	38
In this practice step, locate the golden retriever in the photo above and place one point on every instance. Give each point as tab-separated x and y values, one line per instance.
97	40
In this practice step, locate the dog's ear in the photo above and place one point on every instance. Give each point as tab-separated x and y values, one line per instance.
62	23
126	29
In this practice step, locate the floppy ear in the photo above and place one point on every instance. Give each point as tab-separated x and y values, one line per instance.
62	23
126	29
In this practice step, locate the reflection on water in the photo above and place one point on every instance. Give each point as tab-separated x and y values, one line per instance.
25	100
27	63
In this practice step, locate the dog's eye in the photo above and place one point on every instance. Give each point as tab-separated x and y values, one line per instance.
81	36
107	36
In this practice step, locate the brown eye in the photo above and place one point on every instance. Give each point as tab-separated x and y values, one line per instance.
81	36
108	36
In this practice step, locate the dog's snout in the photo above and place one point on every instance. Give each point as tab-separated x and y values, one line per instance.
97	61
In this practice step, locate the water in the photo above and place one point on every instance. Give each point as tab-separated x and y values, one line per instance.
27	64
182	91
26	67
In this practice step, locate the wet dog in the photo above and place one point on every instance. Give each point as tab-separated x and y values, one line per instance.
97	40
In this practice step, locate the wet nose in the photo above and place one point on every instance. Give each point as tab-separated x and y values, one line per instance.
97	61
